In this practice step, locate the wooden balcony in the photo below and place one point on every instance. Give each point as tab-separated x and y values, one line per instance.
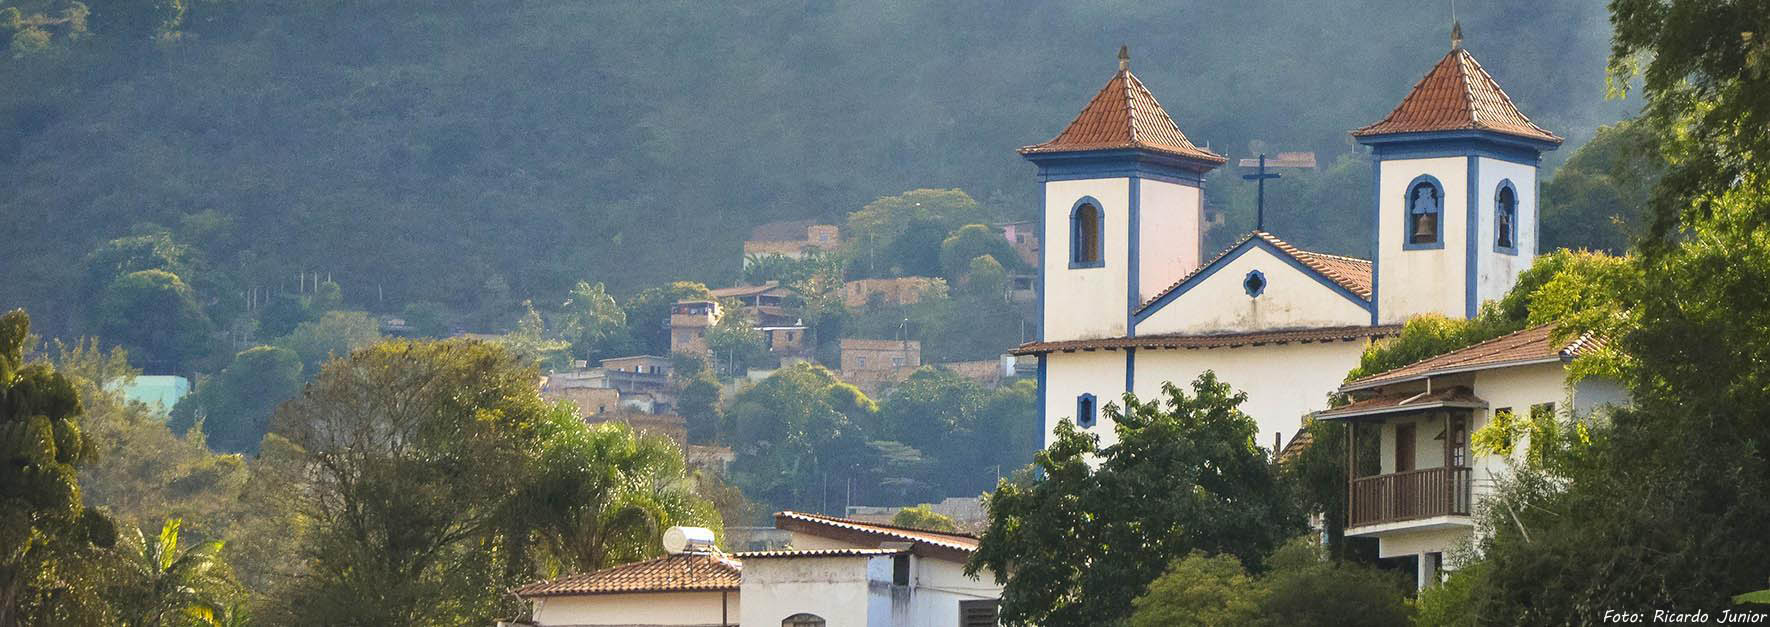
1411	495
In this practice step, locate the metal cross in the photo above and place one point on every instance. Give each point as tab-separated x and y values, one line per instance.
1260	206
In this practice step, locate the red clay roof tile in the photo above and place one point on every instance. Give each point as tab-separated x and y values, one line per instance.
684	572
1125	115
1533	345
1226	340
1457	95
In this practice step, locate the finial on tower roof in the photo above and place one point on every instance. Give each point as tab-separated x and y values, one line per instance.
1456	35
1124	58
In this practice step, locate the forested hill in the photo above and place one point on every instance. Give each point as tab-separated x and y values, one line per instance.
423	150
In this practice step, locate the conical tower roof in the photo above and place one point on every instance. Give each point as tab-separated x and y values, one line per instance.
1458	95
1124	115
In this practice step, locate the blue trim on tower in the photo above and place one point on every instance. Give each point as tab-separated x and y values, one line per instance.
1407	212
1130	370
1134	265
1458	143
1376	235
1516	213
1119	163
1472	226
1230	256
1075	234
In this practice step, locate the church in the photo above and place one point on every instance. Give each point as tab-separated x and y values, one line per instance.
1129	301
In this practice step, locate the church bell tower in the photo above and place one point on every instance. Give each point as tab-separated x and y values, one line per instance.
1456	198
1122	210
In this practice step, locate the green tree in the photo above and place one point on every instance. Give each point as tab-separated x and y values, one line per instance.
604	493
334	334
282	313
1199	591
404	498
985	280
156	316
699	404
1076	546
916	250
163	586
1599	198
735	342
591	321
879	225
533	343
648	313
427	319
42	521
234	406
1298	587
958	252
923	517
794	433
127	255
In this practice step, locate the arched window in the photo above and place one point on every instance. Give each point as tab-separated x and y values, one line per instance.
1425	213
1505	219
1086	234
803	620
1087	411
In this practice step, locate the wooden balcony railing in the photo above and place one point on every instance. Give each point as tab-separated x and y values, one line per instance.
1409	495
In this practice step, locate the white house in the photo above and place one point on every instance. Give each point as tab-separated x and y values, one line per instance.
836	572
1427	482
1128	303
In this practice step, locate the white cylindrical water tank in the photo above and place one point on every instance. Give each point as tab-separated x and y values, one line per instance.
688	539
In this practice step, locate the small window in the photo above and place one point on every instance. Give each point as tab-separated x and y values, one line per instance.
900	570
1085	232
1505	220
979	613
1254	283
803	620
1087	411
860	362
897	362
1425	210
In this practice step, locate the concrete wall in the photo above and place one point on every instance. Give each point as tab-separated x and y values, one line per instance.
1283	381
1069	375
941	585
1412	282
1169	217
1082	303
655	608
1220	303
834	588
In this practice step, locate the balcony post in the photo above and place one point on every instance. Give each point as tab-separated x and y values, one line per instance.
1351	469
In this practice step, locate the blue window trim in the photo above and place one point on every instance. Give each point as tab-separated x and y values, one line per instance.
1506	184
1075	234
1252	291
1087	411
1407	235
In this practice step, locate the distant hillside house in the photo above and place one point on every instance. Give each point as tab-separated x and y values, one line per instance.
689	322
1024	237
1284	160
765	303
876	365
791	239
907	290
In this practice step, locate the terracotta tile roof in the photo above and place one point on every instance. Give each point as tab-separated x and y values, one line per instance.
1226	340
789	553
1458	95
1125	115
847	528
1294	449
1348	272
1457	396
684	572
1533	345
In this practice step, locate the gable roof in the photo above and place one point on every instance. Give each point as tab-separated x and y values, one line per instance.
1535	345
682	572
1454	396
1458	94
1125	115
1349	273
949	545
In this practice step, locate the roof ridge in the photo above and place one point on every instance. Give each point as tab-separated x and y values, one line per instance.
1463	59
851	521
1130	94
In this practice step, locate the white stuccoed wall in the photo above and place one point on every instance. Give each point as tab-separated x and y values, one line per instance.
1412	282
834	588
1085	303
1220	304
1283	381
656	608
1069	375
1497	271
1169	219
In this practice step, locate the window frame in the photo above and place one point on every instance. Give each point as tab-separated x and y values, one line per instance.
1407	214
802	618
1087	411
1498	209
1254	292
1075	234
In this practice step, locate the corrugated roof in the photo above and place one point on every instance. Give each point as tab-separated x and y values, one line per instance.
1351	273
684	572
1458	94
1533	345
1226	340
809	522
1125	115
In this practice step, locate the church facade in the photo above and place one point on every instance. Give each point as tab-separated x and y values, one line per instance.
1129	302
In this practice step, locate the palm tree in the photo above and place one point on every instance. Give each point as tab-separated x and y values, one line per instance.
166	587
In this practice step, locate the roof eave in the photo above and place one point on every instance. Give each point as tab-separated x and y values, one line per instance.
1540	144
1396	409
1199	159
1368	383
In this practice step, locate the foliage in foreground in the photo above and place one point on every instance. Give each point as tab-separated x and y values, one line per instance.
1300	587
1184	476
